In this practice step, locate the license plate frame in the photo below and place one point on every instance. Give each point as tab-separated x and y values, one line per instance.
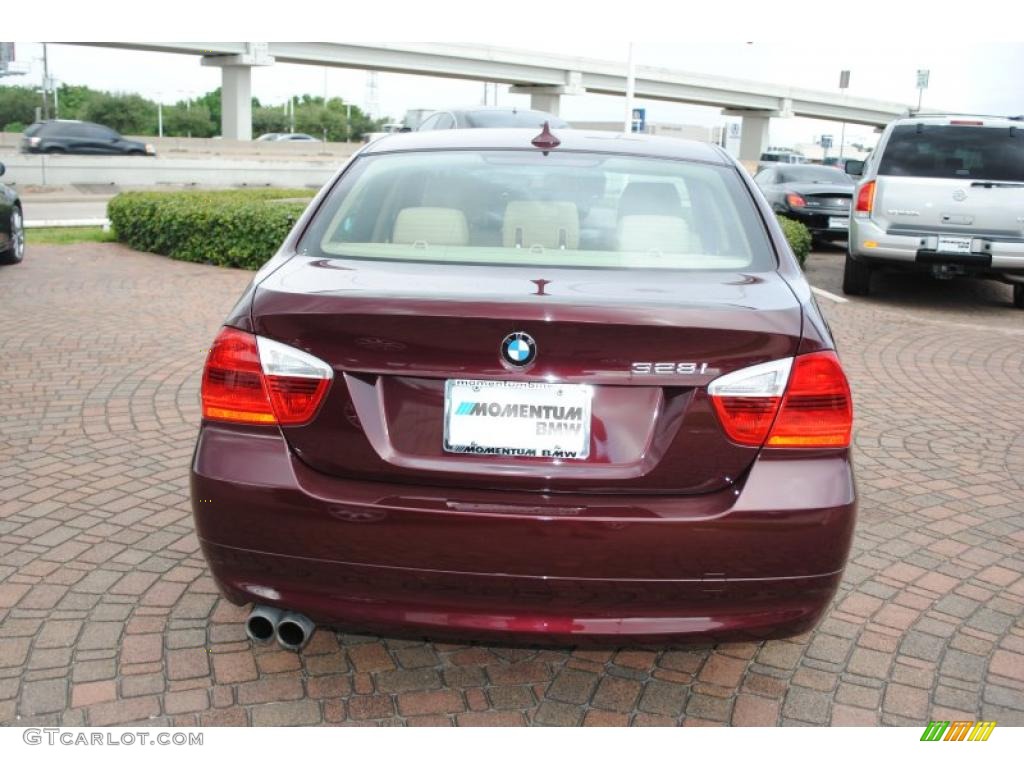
504	418
957	246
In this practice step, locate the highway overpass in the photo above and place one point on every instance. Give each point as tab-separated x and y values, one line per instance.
545	77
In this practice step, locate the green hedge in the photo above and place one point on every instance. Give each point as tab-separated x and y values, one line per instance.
798	236
230	228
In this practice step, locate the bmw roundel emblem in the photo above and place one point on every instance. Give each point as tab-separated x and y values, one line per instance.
518	349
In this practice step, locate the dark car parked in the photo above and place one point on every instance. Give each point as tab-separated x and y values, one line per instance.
12	225
490	117
75	137
559	387
817	195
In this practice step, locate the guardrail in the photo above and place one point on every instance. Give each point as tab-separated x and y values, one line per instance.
50	223
62	170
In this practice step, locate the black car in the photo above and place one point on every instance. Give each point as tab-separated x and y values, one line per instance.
490	117
12	225
75	137
816	195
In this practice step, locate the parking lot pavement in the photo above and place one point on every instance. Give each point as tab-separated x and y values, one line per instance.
108	616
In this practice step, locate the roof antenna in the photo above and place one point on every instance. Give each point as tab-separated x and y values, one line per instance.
545	139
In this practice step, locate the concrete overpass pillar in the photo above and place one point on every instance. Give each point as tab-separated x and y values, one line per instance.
236	103
753	138
754	130
236	88
548	98
546	102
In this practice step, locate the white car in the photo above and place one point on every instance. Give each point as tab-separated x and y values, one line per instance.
287	137
942	194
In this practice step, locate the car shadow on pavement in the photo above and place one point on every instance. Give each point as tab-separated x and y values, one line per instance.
925	291
898	289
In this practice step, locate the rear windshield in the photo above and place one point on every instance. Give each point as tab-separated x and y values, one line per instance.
487	118
527	207
815	174
955	152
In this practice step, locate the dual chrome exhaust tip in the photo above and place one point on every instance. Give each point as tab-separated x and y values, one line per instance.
292	630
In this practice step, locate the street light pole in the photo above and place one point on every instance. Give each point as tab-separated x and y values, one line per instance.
627	123
188	109
46	84
844	83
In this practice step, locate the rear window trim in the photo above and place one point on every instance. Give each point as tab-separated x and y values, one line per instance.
725	162
603	153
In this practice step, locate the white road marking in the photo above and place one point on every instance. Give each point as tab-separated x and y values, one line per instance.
825	294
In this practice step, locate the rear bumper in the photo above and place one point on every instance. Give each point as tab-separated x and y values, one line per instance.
758	560
819	222
990	256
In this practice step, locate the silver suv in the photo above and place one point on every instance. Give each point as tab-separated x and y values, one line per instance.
944	194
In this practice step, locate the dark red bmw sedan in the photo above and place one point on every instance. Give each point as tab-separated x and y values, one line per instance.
538	387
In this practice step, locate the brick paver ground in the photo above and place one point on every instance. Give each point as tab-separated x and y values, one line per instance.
108	616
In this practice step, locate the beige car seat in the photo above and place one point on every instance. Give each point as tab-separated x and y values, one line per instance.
548	224
652	219
430	226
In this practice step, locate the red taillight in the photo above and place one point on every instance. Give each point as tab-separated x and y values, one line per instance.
866	197
795	200
801	402
233	387
251	380
295	400
817	410
746	420
747	400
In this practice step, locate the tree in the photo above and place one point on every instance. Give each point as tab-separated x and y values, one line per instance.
313	117
269	120
73	99
126	113
133	114
211	101
183	120
18	104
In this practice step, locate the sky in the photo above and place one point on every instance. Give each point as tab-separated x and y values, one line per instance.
981	77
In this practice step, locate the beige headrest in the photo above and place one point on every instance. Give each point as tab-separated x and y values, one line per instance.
431	226
549	224
662	234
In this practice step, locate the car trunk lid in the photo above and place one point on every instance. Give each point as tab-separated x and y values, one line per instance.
396	332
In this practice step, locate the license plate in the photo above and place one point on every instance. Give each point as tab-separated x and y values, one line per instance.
838	222
507	418
954	245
